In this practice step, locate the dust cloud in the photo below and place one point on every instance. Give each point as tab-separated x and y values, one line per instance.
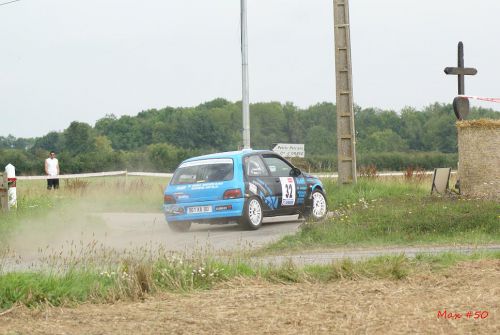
83	232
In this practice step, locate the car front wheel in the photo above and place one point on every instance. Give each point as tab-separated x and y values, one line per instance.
319	206
252	214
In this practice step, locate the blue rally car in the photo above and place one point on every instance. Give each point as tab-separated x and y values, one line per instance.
240	186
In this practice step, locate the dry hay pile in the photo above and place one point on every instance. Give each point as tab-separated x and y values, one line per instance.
479	157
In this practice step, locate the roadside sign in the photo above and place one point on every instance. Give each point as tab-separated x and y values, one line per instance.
289	149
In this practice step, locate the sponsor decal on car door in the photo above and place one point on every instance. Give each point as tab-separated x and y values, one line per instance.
287	191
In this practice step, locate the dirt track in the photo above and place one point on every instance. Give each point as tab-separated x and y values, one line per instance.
130	231
125	229
363	306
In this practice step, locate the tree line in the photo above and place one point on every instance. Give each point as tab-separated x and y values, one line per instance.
158	139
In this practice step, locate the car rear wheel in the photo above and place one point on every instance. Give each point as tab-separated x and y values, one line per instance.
319	206
179	226
252	214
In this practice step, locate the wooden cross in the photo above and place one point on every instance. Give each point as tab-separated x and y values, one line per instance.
460	70
461	104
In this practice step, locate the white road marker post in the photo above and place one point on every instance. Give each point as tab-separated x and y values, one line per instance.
10	171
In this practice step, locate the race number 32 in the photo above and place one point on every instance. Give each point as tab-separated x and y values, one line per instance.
287	191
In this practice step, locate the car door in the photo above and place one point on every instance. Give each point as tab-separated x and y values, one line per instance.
259	182
285	183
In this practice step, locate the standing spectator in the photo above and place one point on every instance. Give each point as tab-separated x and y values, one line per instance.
52	169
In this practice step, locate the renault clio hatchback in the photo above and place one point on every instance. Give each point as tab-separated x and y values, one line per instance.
240	186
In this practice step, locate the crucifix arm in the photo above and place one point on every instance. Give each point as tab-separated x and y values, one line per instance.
467	71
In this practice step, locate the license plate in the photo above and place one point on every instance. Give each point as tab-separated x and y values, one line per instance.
199	209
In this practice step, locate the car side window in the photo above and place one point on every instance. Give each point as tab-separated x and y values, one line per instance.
255	167
277	166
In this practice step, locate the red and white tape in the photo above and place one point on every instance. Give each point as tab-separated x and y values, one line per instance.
480	98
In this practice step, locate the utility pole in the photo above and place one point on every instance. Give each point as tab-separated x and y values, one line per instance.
244	69
346	140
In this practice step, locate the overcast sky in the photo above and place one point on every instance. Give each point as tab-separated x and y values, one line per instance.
66	60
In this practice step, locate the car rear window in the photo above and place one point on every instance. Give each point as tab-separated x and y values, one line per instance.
203	171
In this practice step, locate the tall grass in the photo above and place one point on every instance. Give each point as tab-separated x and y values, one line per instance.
100	193
372	189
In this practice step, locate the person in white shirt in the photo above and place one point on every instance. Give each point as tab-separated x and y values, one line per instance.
52	169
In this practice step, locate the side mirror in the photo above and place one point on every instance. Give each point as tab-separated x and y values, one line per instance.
295	172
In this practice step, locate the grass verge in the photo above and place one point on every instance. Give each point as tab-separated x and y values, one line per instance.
393	213
134	279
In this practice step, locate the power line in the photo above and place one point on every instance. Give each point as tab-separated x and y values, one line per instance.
6	3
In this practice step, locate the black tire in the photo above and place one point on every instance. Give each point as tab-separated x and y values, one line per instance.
252	214
318	206
179	226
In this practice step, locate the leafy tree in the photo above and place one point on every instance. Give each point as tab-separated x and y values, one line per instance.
323	114
367	122
11	142
103	145
440	132
164	157
22	160
125	133
102	125
7	142
320	141
267	123
483	113
227	133
79	138
412	128
158	139
293	127
371	120
216	103
52	141
384	140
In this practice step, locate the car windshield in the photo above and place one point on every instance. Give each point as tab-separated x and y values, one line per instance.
203	171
